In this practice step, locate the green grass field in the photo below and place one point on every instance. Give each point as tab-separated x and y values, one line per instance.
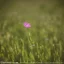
43	42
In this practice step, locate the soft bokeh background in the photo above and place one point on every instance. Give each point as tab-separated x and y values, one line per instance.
43	42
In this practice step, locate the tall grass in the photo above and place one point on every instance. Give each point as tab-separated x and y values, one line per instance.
43	42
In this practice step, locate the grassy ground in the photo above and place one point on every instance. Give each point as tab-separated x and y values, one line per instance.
43	42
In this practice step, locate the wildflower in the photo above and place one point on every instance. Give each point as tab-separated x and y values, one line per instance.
27	25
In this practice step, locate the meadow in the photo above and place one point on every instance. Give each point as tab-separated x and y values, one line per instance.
43	42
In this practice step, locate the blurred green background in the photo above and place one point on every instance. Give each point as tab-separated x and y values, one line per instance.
43	42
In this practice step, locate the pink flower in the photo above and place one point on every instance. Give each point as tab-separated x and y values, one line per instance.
27	25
